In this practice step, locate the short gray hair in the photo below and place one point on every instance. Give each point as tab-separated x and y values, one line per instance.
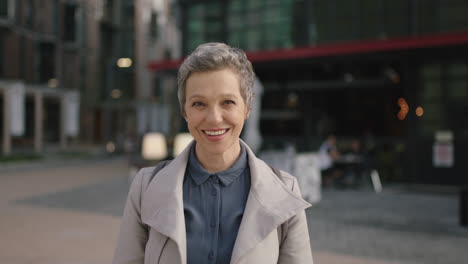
217	56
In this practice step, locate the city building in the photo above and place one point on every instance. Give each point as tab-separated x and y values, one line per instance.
131	102
42	72
392	72
74	71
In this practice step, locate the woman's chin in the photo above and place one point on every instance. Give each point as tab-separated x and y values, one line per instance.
217	147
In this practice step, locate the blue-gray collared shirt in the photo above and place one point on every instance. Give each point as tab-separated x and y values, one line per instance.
213	208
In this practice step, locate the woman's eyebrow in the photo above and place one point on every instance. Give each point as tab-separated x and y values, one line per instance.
196	96
230	95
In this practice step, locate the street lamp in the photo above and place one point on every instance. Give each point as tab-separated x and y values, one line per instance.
124	62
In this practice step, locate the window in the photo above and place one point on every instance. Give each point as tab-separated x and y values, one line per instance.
431	99
2	56
4	9
452	15
260	24
46	65
55	17
30	14
204	23
128	16
153	26
70	23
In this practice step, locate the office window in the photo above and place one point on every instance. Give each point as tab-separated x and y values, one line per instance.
55	16
46	66
260	24
195	26
153	26
4	8
457	95
18	12
427	16
70	23
371	19
204	23
30	13
396	18
128	15
457	82
453	15
323	15
2	55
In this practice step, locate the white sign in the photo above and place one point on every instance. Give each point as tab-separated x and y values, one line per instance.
72	113
15	95
252	135
442	155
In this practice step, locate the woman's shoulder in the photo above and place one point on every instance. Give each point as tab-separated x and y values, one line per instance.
147	174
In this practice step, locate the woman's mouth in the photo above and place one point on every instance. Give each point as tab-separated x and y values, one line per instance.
215	132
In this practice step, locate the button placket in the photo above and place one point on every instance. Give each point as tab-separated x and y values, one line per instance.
215	192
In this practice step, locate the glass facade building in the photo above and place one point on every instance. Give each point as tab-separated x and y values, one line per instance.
344	67
277	24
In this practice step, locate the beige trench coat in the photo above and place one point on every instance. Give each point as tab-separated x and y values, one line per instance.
153	224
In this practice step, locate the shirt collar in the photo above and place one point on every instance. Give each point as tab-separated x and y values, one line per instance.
200	175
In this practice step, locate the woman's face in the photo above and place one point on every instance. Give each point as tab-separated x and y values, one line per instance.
215	110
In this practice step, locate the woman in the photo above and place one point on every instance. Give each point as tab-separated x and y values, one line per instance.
215	202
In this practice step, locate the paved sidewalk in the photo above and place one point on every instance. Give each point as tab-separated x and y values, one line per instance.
71	214
395	226
61	215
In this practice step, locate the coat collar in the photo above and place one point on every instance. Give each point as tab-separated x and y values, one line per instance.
270	203
162	205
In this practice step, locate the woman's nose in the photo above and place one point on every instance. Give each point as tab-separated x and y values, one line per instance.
214	115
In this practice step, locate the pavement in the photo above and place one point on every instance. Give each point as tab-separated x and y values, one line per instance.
70	213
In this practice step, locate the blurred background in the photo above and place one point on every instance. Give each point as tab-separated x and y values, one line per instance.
391	73
85	80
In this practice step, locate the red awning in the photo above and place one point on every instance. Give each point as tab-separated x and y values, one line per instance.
347	48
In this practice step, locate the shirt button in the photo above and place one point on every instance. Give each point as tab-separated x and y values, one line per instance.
210	256
213	224
214	179
213	192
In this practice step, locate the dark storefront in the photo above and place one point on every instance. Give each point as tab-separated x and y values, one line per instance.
395	72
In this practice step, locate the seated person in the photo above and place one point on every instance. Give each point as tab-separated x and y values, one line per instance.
328	155
353	163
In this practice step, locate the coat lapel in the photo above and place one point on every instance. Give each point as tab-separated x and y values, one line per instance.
270	203
162	203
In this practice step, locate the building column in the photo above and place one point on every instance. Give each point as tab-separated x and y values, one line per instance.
6	125
38	124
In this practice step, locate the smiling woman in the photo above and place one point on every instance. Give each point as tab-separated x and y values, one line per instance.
215	112
215	202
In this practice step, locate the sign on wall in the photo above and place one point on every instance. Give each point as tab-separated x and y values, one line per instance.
442	150
72	113
15	95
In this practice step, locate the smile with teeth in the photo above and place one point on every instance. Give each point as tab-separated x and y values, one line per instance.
215	132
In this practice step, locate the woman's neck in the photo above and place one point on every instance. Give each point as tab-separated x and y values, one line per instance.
216	162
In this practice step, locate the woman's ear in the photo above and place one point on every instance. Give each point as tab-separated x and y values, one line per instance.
184	114
247	114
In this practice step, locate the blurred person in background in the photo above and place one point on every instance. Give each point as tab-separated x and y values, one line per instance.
216	202
355	163
328	156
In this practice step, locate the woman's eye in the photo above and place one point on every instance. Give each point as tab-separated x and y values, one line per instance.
229	102
198	104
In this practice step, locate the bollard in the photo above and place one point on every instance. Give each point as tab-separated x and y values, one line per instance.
464	206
